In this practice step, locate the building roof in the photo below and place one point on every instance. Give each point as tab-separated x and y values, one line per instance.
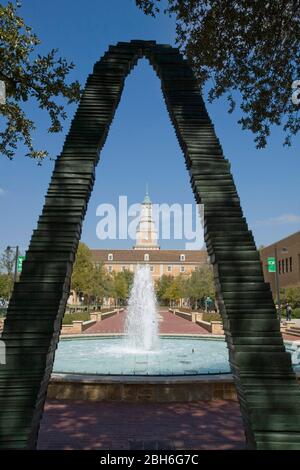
155	256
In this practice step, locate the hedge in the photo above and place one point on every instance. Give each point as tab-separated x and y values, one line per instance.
296	312
70	317
211	316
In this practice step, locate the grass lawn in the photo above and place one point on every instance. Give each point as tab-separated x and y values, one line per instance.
70	317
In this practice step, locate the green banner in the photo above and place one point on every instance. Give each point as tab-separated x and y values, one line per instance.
271	265
20	263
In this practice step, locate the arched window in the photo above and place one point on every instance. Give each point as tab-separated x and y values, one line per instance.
146	257
110	257
182	257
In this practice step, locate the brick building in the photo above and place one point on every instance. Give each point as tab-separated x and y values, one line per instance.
170	262
147	251
288	261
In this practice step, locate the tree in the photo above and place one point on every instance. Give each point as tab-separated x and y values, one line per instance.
128	276
201	285
7	261
120	286
99	284
7	267
176	289
6	286
291	295
42	79
249	50
83	271
161	285
89	279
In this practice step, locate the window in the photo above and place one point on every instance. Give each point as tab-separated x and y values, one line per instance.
152	268
291	264
279	267
282	266
169	269
110	268
287	264
146	257
182	269
182	257
110	257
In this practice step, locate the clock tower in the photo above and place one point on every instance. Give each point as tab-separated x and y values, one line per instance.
146	234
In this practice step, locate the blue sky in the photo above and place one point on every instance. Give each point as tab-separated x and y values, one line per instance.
141	146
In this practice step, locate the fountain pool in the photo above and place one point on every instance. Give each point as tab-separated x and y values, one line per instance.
177	355
143	365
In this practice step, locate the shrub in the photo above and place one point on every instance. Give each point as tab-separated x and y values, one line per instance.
291	295
108	309
296	313
211	316
3	312
70	317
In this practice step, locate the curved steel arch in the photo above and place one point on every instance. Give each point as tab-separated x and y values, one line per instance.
268	393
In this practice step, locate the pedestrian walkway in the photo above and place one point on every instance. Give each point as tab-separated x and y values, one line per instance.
173	324
168	324
289	337
114	324
82	425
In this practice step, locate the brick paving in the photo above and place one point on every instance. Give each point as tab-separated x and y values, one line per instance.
173	324
114	324
289	337
80	425
169	323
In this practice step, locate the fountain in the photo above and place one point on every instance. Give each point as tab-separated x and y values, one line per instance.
141	326
140	351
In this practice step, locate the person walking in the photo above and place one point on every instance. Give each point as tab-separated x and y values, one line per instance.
288	311
208	304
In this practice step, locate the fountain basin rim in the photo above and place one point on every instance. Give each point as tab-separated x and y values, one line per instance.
60	377
164	389
207	336
147	379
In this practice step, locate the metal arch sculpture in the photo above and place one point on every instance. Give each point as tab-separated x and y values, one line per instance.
268	393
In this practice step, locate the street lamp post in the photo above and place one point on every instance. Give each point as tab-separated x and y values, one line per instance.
277	284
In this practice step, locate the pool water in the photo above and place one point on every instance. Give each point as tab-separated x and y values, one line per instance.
175	356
